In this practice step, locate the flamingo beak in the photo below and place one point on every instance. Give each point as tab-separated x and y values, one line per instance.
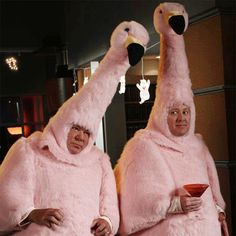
135	50
177	23
176	20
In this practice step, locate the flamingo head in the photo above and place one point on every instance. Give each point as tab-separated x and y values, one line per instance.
130	39
170	18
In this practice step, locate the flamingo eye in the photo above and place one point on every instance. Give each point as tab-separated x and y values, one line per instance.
127	29
160	11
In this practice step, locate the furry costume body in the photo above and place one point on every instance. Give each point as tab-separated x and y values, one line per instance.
152	170
35	178
155	164
40	172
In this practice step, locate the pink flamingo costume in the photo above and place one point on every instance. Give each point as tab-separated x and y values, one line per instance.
40	172
155	164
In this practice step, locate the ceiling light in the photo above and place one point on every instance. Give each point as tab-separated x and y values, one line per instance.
12	63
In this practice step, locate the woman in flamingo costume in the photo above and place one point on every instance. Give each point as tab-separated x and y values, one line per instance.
63	177
160	159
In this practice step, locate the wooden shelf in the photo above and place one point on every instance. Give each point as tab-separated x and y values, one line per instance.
137	114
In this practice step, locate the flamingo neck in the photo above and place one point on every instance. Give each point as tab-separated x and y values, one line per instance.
173	61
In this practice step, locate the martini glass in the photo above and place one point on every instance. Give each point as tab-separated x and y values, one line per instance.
196	190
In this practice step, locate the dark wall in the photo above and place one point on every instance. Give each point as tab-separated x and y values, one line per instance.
25	24
28	79
228	23
33	32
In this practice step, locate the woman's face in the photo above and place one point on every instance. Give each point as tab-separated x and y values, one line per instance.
178	119
77	139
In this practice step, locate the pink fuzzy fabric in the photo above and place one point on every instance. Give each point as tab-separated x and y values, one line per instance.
152	169
88	106
155	164
173	83
40	172
33	177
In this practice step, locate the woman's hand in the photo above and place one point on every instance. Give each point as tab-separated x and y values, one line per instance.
189	203
100	227
49	217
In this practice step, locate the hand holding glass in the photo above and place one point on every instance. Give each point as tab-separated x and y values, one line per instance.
196	190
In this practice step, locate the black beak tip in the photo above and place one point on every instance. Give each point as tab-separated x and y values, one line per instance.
177	23
135	53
